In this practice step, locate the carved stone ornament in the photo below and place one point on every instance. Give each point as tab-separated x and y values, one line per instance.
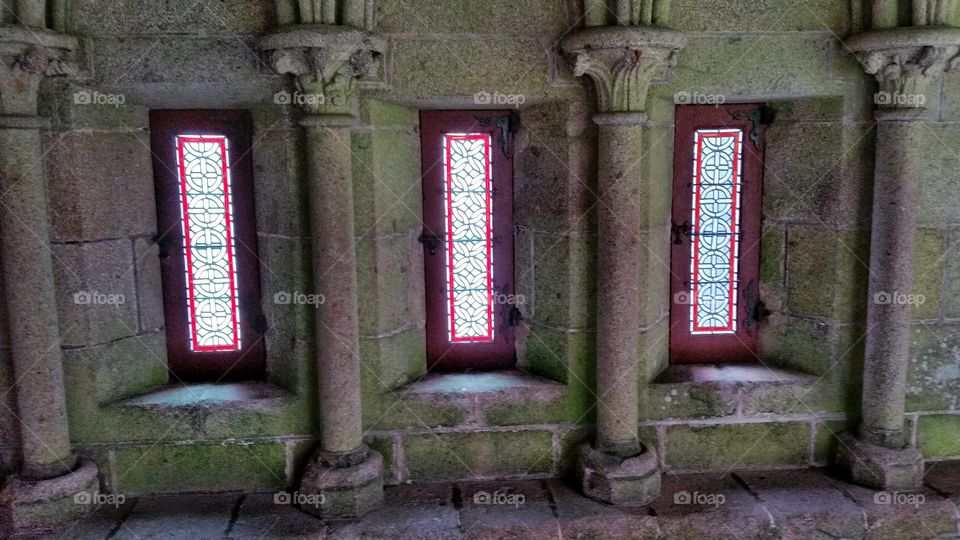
905	60
623	61
326	61
26	57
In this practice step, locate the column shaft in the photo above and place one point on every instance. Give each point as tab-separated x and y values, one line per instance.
618	295
31	301
335	276
32	13
891	277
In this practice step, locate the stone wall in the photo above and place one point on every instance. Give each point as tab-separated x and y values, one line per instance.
447	55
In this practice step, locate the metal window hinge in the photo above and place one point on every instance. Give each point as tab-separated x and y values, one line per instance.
761	116
515	316
431	242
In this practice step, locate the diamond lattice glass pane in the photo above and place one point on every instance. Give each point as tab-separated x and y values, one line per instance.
716	230
208	246
468	212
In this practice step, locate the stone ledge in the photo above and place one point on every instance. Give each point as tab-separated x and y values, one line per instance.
483	385
244	395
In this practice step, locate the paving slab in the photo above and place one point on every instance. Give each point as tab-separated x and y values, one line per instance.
710	506
904	515
507	509
262	517
807	504
583	518
178	516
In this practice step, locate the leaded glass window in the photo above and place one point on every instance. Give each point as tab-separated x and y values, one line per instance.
715	220
210	277
468	216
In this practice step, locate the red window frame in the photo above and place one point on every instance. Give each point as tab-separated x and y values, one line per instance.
733	338
187	359
446	350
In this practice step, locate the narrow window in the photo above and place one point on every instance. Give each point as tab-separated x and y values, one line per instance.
468	239
207	240
717	187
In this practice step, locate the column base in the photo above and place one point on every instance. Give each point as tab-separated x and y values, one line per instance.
343	492
879	467
632	481
34	506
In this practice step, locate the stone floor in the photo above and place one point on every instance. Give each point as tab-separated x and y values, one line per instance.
772	504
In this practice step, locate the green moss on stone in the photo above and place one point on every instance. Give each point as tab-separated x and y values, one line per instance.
737	445
448	456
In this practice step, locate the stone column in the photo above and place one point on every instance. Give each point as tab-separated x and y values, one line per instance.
622	61
50	475
903	60
326	62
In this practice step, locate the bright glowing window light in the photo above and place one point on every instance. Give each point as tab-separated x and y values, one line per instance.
717	164
468	213
206	208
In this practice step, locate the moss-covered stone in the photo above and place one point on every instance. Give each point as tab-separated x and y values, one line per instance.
398	411
689	400
217	467
933	374
826	440
835	291
937	435
563	286
767	16
737	446
494	16
448	456
928	268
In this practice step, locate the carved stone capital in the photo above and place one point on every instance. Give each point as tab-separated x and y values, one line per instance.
623	62
26	57
905	60
327	62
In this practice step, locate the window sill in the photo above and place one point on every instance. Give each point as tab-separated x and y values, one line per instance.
245	395
500	385
728	373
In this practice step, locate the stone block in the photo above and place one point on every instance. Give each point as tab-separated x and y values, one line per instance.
937	199
115	370
233	466
689	400
96	291
933	372
493	17
936	435
768	67
102	17
397	410
523	68
392	295
150	308
121	61
736	446
764	16
633	481
836	290
811	346
563	276
478	454
881	468
928	268
281	191
285	274
87	171
350	492
394	360
950	299
32	507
